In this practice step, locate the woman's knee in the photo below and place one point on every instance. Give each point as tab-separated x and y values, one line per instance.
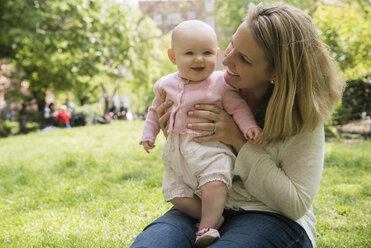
257	229
173	229
161	234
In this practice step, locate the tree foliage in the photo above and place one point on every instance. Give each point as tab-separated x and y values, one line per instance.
345	28
343	25
231	13
76	45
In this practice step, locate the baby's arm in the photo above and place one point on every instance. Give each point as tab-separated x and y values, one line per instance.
241	112
151	126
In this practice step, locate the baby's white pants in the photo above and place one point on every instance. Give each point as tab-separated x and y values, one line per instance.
189	165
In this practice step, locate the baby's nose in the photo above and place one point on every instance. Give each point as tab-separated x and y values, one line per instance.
199	58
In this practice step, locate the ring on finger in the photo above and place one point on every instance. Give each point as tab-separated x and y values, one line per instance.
214	130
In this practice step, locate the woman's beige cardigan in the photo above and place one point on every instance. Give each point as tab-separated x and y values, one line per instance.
281	178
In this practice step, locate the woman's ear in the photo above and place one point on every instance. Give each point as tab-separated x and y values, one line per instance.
272	79
171	55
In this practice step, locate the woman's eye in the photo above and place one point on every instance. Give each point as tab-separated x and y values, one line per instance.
189	53
244	60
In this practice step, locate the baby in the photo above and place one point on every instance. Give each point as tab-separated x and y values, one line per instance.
190	166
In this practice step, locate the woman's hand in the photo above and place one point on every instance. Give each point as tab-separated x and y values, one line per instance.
226	129
164	115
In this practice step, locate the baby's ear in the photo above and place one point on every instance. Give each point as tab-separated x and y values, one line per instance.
171	55
217	52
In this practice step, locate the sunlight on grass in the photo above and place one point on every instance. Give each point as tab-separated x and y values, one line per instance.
95	187
342	205
84	187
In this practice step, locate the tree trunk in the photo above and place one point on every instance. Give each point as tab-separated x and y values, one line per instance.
107	98
22	119
83	100
40	99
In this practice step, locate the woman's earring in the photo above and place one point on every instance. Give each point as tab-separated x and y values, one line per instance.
272	82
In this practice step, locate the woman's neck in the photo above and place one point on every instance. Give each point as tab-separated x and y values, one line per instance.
253	97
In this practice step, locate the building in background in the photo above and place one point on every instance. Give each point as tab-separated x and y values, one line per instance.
168	14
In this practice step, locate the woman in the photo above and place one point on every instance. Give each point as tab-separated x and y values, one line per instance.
287	77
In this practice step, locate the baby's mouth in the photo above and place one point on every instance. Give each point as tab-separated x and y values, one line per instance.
197	68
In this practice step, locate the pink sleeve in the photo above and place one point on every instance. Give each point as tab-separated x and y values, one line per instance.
151	126
238	108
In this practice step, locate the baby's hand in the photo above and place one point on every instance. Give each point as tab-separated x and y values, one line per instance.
147	145
255	134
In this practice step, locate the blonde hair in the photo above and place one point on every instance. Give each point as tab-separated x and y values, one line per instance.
307	82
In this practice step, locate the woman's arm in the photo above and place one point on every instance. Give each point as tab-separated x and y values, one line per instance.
290	185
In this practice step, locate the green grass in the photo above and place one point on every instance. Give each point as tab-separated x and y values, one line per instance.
342	205
95	187
84	187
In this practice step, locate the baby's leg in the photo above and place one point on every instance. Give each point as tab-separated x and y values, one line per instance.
190	206
214	195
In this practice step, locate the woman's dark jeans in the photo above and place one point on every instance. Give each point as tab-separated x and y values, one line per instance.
241	229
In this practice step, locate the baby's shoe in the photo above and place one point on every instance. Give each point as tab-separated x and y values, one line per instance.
206	236
220	223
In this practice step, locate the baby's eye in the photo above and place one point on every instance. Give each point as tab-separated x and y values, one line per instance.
189	53
207	53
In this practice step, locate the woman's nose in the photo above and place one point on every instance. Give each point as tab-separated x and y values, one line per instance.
225	62
228	50
228	56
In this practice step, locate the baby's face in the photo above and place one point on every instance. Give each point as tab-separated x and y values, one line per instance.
195	55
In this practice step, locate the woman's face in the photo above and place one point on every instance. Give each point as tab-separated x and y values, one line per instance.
247	66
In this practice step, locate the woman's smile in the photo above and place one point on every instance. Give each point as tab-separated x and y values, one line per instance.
232	73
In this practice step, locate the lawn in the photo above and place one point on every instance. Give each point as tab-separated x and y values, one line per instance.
95	187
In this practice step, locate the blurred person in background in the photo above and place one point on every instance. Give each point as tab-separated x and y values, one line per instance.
63	117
